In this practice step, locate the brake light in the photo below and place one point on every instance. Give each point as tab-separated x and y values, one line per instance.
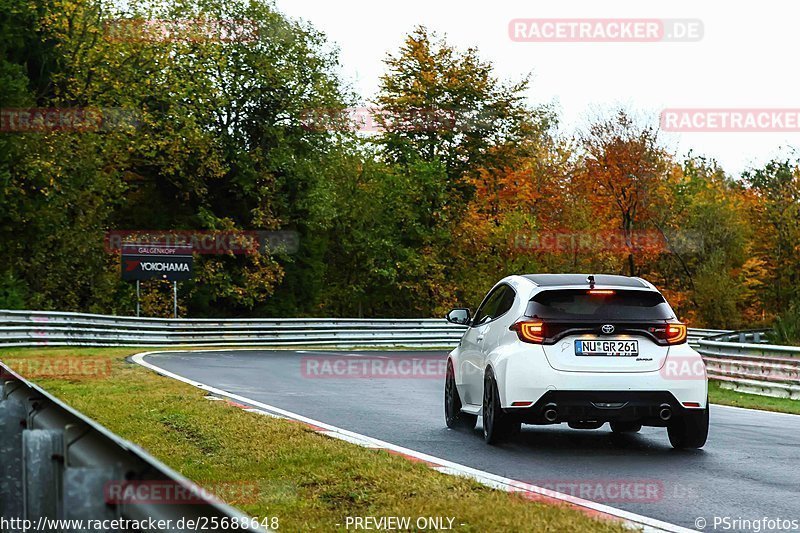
529	331
601	292
676	333
670	333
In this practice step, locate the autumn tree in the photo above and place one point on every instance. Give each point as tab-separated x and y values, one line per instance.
776	219
705	223
625	169
447	120
440	104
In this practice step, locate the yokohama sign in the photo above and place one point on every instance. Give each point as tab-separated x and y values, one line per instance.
172	263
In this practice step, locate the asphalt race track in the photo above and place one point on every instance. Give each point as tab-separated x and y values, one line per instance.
749	469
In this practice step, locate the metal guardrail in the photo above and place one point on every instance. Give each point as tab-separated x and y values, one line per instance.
771	371
57	464
693	335
743	361
34	328
44	328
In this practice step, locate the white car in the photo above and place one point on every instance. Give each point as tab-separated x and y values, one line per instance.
576	348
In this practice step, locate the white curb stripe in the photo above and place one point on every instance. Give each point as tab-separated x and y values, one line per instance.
442	465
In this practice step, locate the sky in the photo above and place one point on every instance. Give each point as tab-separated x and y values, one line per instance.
744	59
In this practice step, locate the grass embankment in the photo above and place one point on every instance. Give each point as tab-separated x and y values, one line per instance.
716	394
307	480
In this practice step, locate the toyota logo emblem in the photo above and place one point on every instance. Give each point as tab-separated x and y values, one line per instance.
607	329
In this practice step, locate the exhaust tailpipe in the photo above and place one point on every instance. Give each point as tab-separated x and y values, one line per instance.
665	412
550	413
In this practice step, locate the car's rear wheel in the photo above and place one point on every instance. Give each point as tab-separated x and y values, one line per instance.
497	425
454	418
625	427
690	430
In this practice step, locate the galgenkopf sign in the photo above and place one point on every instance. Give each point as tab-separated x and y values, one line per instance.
148	261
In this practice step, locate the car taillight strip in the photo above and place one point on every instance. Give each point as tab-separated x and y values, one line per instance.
530	331
676	333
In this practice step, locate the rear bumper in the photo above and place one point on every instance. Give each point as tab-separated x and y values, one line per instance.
528	380
602	406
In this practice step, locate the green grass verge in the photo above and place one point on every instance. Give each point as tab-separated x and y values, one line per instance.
716	394
307	480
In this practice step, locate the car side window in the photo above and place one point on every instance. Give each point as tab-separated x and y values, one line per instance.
485	311
498	302
506	302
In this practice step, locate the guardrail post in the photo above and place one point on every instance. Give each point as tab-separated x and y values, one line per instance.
84	493
12	422
57	464
42	461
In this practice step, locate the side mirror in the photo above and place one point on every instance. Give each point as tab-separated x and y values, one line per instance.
459	316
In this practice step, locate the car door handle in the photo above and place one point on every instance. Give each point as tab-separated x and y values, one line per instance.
480	337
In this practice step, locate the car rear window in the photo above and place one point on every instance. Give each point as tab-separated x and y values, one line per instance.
580	304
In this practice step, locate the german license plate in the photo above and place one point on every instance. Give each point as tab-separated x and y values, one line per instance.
607	348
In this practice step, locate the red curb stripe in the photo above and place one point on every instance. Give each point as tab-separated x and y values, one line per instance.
413	459
239	405
550	500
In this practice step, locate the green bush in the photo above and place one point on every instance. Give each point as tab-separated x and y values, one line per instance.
787	326
12	292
